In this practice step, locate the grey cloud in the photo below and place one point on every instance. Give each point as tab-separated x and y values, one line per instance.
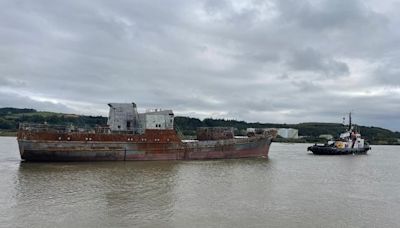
17	101
252	60
340	14
350	28
387	75
311	60
307	86
10	82
215	7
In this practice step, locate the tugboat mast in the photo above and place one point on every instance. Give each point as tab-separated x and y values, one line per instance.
350	121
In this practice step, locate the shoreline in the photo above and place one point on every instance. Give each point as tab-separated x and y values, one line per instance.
8	134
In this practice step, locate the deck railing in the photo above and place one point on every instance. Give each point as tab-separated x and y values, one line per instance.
61	128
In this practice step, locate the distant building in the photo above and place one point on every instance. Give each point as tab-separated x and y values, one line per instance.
288	133
250	129
326	136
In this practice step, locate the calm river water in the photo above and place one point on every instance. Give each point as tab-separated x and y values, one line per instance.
291	189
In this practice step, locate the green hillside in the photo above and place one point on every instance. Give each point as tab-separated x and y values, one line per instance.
11	117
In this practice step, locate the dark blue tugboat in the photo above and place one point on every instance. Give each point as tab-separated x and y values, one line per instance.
349	142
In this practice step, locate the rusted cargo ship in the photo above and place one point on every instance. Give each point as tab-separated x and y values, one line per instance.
136	136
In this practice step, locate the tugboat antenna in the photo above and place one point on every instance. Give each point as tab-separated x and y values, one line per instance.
349	121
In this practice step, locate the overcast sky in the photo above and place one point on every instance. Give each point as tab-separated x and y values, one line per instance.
282	61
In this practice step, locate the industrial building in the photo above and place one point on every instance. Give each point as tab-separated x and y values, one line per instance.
288	133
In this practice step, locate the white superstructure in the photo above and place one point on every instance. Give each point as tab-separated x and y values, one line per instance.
125	117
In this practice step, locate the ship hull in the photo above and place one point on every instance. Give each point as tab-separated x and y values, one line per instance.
45	150
325	150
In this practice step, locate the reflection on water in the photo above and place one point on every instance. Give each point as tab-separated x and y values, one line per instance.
290	189
125	193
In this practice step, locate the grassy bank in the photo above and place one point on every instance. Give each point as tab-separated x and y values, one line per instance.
8	133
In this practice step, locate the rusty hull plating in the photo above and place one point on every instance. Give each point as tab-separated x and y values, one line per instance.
152	145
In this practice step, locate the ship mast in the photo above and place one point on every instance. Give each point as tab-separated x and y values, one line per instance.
350	121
